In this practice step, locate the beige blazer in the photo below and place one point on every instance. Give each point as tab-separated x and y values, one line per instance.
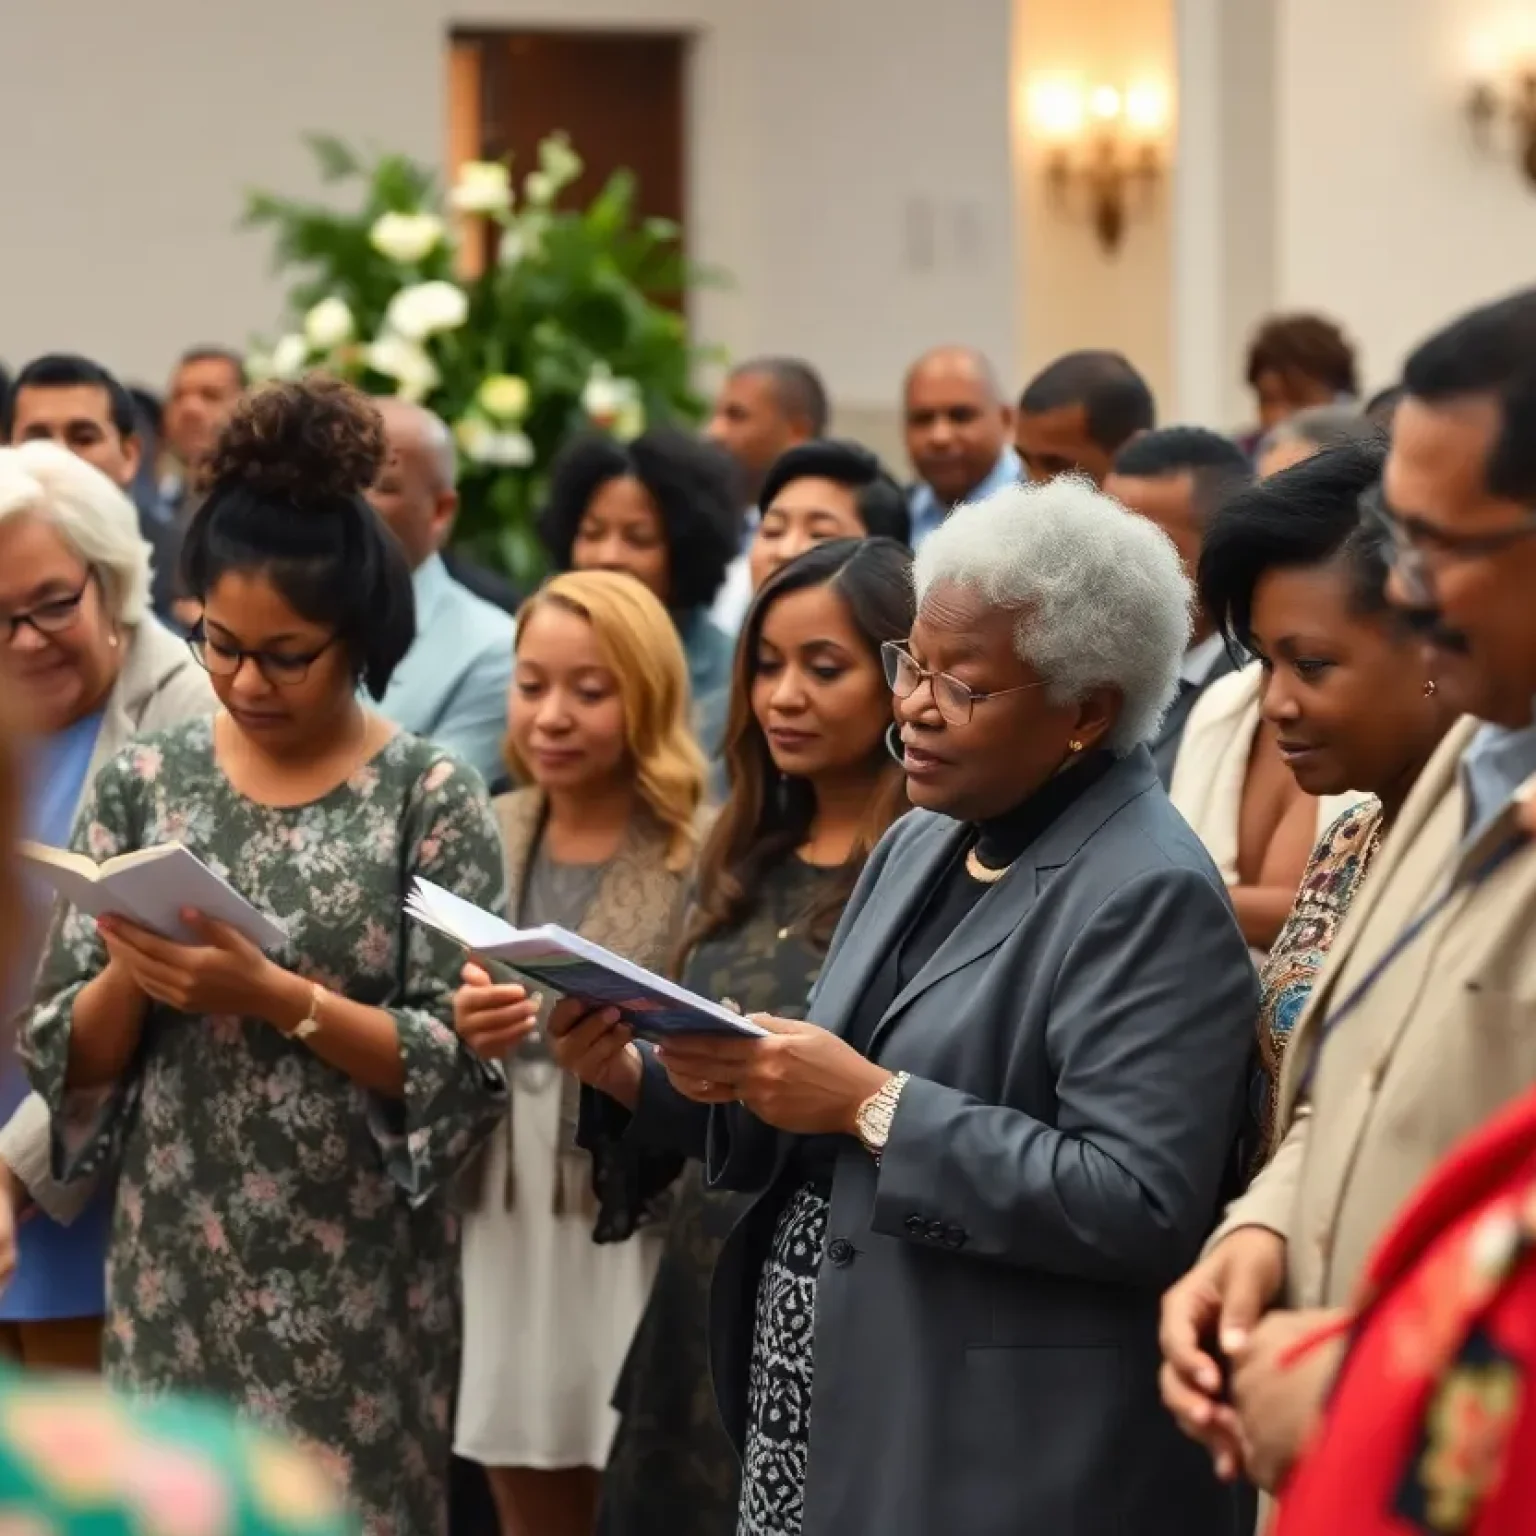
159	685
1444	1038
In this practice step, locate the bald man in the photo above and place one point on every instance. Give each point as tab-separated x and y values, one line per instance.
452	686
957	427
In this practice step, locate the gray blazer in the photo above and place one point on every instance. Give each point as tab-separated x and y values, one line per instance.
986	1316
158	685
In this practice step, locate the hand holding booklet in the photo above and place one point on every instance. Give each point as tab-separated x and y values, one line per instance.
575	967
151	887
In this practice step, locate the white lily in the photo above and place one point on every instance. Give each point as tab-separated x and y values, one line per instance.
539	189
407	363
484	444
427	309
406	237
604	398
483	186
329	324
289	356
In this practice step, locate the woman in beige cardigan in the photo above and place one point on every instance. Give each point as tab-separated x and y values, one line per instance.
89	667
560	1245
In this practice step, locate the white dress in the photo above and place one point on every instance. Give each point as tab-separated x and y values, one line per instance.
548	1313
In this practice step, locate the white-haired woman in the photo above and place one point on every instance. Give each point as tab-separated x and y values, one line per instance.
87	666
1008	1127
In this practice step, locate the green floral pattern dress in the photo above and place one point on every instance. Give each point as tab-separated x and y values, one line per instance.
282	1238
77	1461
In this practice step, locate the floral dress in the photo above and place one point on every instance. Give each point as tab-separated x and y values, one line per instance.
282	1237
77	1461
1333	874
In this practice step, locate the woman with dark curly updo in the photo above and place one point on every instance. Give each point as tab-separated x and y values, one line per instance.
285	1123
664	508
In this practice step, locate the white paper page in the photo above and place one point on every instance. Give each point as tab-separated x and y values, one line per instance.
153	895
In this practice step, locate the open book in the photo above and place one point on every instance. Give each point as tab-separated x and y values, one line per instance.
150	887
575	967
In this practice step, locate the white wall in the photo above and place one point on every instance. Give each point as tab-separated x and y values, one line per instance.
850	164
1387	213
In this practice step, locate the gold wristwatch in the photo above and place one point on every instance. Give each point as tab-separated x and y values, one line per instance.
875	1114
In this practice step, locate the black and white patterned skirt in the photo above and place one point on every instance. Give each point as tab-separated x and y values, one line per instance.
779	1379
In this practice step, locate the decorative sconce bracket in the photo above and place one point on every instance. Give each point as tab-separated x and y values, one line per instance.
1101	153
1487	105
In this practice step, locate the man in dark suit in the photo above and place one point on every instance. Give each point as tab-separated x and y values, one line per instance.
1176	477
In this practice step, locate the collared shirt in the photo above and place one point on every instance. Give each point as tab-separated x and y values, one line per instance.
928	512
60	1271
1200	660
729	610
1497	762
452	686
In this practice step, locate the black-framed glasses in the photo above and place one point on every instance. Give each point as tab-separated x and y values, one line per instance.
282	669
52	617
954	700
1419	546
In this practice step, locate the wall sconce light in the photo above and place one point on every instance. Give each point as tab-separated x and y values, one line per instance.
1504	90
1102	146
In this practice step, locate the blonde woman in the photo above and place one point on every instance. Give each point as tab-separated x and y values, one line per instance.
560	1249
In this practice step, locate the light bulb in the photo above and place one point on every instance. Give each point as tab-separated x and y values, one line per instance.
1105	103
1056	109
1145	109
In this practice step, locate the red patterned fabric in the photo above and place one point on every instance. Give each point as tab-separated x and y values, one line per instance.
1431	1427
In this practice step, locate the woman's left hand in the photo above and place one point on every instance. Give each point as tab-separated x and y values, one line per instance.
224	973
800	1078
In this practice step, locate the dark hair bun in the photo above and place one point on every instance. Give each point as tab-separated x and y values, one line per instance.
316	441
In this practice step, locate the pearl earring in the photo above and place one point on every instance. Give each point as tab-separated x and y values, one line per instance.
112	640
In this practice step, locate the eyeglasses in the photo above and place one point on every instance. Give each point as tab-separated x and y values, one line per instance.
280	669
953	699
50	618
1418	547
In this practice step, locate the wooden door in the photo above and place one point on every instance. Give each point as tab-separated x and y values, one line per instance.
621	96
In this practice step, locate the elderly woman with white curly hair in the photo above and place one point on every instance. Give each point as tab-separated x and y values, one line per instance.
1008	1128
86	666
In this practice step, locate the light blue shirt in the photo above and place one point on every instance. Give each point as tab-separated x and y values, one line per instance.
928	512
1497	762
60	1271
452	686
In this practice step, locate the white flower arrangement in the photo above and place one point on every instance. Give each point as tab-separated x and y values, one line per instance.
568	327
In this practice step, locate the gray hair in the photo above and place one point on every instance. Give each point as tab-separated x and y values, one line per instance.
1322	426
93	517
1101	595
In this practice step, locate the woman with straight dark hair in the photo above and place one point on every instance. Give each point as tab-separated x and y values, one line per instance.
812	791
285	1123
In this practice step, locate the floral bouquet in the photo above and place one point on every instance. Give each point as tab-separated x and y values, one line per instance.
569	325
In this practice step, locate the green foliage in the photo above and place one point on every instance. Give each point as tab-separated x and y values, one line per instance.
577	304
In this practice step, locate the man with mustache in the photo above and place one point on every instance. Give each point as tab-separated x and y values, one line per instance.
1418	1028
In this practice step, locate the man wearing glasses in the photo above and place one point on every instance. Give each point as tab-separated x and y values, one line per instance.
1419	1026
